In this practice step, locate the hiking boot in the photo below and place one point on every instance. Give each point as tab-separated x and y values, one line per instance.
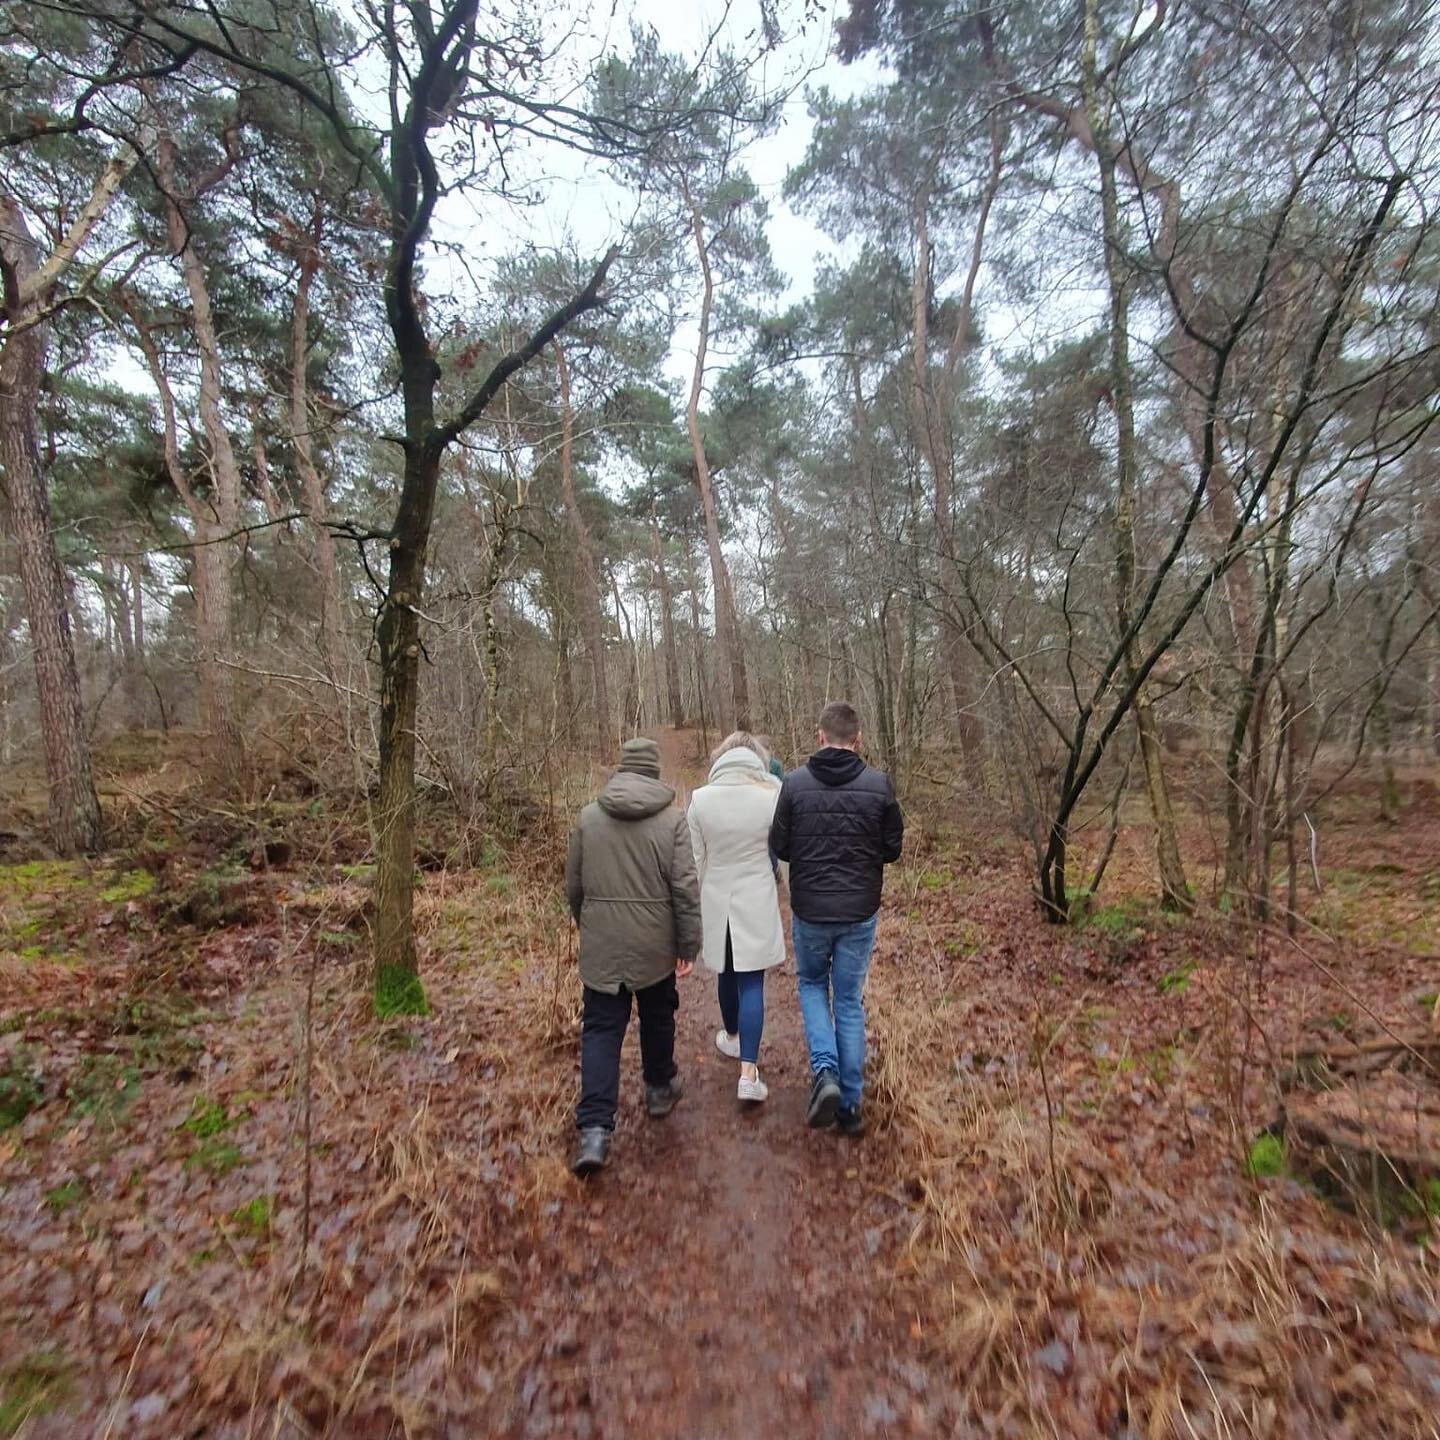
848	1121
824	1100
660	1100
592	1152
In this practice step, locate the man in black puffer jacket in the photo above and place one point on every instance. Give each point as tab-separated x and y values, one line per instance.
838	824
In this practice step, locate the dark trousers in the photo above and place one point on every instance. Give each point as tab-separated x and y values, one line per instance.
604	1020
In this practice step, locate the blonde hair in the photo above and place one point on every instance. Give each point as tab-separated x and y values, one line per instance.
741	740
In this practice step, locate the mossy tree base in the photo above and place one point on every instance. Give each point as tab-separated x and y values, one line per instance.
398	991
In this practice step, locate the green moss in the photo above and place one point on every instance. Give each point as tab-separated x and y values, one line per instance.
967	942
398	991
20	1088
1429	1001
36	1386
104	1086
499	884
131	885
1177	981
364	873
255	1216
214	898
215	1155
207	1122
338	939
933	879
39	899
65	1197
1115	920
37	876
1160	1063
206	1118
1266	1158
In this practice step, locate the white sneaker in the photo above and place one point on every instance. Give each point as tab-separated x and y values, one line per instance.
727	1044
752	1090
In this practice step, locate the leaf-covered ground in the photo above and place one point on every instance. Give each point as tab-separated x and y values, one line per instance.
1077	1212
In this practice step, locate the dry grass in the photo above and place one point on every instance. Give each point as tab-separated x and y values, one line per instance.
435	1155
1082	1286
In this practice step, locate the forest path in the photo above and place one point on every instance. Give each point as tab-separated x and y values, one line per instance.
729	1274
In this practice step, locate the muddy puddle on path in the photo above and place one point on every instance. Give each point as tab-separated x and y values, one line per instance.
729	1275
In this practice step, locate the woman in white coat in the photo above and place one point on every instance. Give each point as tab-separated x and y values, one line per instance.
739	906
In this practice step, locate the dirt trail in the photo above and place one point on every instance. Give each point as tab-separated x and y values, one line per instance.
727	1275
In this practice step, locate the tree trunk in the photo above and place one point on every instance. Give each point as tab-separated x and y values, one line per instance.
1174	889
592	626
630	704
934	445
312	486
138	677
695	637
495	542
74	808
566	680
221	516
260	458
729	657
1430	594
129	630
1432	690
29	285
209	570
397	985
654	658
667	625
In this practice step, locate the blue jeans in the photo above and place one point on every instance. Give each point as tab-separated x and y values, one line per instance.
835	958
742	1004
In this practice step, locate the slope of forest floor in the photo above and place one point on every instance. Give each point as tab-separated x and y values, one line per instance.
1076	1213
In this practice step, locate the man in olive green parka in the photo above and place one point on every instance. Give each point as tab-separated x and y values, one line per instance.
630	881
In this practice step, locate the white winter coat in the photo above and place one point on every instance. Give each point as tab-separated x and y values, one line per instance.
730	830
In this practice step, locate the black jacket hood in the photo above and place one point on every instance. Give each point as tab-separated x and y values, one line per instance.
834	766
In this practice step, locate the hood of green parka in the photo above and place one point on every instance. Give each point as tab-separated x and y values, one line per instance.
628	796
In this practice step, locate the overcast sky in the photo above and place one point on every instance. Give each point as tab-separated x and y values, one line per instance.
583	207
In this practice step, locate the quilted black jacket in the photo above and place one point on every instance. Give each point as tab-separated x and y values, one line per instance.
838	824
